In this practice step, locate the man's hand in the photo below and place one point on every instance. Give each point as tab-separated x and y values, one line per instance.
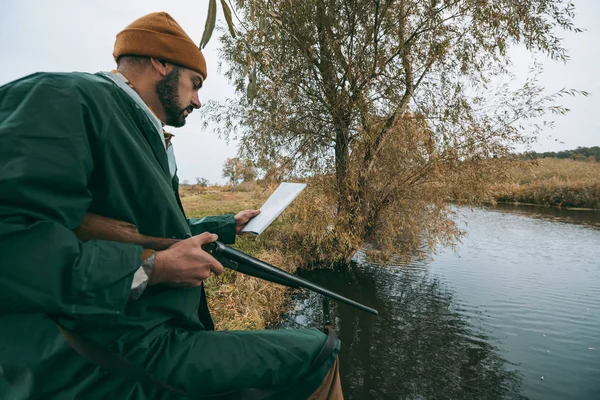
185	263
242	218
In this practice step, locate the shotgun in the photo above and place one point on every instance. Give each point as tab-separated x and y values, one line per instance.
99	227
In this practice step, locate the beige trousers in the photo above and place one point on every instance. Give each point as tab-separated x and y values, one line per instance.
331	388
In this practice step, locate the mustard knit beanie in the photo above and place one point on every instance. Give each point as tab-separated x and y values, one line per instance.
158	35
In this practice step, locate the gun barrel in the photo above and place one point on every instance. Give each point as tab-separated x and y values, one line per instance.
219	249
248	269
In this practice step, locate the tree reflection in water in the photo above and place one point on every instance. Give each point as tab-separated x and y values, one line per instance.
421	346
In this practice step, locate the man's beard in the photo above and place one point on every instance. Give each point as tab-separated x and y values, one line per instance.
167	90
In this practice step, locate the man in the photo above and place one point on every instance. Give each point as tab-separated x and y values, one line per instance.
76	143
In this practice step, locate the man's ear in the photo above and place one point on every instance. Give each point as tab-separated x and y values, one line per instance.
162	67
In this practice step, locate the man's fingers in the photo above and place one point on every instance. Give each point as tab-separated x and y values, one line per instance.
206	237
187	264
252	213
246	215
216	267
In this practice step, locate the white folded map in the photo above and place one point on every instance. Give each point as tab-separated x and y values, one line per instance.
274	206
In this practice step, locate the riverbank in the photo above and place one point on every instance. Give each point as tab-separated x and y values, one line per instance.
552	182
241	302
237	301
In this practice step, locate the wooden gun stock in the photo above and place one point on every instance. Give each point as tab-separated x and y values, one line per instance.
98	227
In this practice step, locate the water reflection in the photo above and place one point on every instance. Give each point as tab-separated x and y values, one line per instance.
422	345
563	215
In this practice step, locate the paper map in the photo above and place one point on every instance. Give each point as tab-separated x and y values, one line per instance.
274	206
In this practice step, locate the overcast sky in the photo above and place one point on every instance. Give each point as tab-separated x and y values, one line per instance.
70	35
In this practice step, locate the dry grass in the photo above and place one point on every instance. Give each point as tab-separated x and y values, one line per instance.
218	201
241	302
553	182
237	301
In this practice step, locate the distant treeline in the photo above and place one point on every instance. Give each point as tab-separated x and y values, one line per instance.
580	153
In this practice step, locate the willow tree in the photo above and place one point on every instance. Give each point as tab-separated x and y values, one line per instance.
396	106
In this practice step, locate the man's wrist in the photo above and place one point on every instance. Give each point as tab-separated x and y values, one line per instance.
157	272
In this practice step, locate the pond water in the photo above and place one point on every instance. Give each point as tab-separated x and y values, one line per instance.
513	312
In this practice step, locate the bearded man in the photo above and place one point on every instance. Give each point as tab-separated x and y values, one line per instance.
78	143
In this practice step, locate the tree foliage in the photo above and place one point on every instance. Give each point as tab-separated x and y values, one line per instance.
202	182
394	107
238	170
580	153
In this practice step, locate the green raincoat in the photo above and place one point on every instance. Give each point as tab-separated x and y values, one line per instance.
72	143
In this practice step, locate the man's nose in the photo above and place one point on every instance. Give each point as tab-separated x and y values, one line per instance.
196	101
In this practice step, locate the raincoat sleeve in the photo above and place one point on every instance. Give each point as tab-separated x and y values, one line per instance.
223	225
49	129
